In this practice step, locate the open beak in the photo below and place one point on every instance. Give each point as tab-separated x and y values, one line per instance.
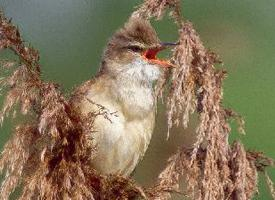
151	54
168	44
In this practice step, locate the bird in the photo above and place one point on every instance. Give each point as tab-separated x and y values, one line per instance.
124	87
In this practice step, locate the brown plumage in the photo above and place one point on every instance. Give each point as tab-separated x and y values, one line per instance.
124	88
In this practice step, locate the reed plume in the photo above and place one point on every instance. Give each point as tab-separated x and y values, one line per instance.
48	155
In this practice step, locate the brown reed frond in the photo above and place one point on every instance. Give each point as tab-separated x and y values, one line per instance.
270	185
157	8
49	154
213	168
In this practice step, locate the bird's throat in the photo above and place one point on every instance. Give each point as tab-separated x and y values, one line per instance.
136	100
139	72
133	87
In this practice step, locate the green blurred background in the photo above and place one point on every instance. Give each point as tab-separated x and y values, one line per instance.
71	35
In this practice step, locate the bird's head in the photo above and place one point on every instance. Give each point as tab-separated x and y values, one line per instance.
132	51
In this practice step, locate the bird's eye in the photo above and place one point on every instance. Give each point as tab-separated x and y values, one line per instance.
135	48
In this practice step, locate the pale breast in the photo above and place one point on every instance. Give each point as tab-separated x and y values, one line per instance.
121	141
121	144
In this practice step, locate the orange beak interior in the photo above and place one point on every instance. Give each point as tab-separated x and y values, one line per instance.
151	56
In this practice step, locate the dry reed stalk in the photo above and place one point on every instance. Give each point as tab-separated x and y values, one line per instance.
213	168
49	154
